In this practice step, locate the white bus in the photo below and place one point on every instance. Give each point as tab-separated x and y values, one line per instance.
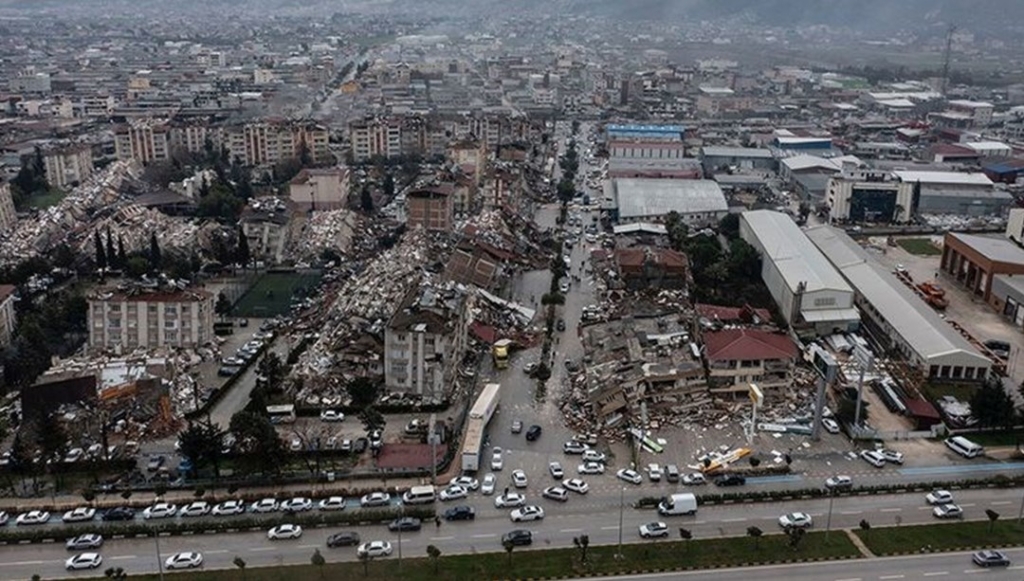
281	414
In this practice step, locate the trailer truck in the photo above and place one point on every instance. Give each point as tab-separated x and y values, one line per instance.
479	416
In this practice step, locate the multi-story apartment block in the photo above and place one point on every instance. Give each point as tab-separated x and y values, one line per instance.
431	208
375	137
150	318
8	216
320	189
429	135
145	141
8	318
68	166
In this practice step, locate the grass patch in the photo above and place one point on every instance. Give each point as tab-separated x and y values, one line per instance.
942	537
558	562
45	200
919	246
962	392
271	294
997	438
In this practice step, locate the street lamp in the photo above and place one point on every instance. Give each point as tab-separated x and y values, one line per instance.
159	559
828	521
622	506
401	514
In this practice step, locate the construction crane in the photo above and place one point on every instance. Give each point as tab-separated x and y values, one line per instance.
946	57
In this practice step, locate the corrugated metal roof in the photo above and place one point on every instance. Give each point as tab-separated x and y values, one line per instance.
793	254
945	177
637	197
723	151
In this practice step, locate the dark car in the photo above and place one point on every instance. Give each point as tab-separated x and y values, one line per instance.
346	539
228	370
990	559
730	480
560	325
1000	348
571	366
406	523
518	537
360	445
460	513
119	513
533	433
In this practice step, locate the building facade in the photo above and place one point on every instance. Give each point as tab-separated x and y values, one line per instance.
857	195
320	189
150	318
144	141
430	208
738	357
8	318
67	167
973	261
8	215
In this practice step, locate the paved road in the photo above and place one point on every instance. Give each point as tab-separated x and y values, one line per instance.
598	517
238	396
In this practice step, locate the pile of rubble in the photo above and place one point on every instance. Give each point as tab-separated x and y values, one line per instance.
134	224
332	229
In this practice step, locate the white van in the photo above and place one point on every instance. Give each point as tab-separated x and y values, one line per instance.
964	447
419	495
682	503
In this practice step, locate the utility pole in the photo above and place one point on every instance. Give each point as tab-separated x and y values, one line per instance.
946	55
866	359
622	506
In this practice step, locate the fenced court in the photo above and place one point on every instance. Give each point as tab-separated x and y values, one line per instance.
271	294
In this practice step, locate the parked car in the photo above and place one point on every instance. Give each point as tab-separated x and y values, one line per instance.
285	531
375	499
594	456
590	468
332	416
874	458
840	482
343	539
631	476
576	485
654	472
460	513
33	517
510	499
487	486
405	524
497	463
830	425
297	504
730	480
264	506
332	503
556	493
892	456
574	447
453	492
80	514
517	426
119	513
467	482
197	508
694	479
556	471
187	560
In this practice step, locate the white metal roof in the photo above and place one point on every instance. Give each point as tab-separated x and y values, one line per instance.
945	177
726	151
636	197
796	258
914	321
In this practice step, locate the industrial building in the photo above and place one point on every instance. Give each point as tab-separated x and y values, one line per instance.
805	286
858	195
896	318
745	158
946	192
974	261
698	202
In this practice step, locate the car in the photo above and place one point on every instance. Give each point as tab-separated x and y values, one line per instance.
332	503
571	366
467	482
990	559
228	370
375	499
83	561
799	520
229	507
496	461
487	487
297	504
533	433
417	426
948	511
631	476
405	524
939	497
576	485
197	508
33	517
527	513
840	482
264	506
517	426
574	447
119	513
155	463
563	287
694	479
590	468
555	469
530	368
556	493
186	560
74	455
453	492
519	479
295	445
86	541
232	362
517	537
331	416
285	531
510	499
654	472
874	458
730	480
892	456
343	539
560	325
460	513
80	514
360	445
374	549
830	425
594	456
653	530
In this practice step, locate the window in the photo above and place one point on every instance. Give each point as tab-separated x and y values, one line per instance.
170	336
114	323
825	302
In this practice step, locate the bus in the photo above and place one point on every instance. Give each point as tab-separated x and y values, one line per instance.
281	414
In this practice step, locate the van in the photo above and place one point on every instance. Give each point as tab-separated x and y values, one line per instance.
419	495
964	447
672	473
676	504
874	458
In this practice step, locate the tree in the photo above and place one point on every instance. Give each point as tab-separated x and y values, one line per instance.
201	443
993	516
136	266
865	526
117	573
795	534
111	252
240	563
223	306
366	199
363	391
509	547
372	419
756	534
754	461
257	442
435	554
686	535
242	251
101	253
122	258
318	561
991	405
676	230
729	226
582	542
805	211
52	438
154	253
389	186
744	261
271	371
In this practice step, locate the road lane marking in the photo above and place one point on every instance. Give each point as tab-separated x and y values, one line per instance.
885	577
124	557
1002	502
571	531
968	504
441	538
19	563
936	573
217	552
484	536
261	549
733	520
891	510
850	512
609	528
850	579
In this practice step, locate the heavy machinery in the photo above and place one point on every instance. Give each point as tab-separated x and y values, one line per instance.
500	351
933	294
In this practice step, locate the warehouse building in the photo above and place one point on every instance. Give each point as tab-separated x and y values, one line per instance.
698	202
895	317
947	192
805	286
716	158
973	260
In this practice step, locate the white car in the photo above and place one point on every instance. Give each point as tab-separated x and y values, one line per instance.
948	511
496	461
574	447
453	492
375	499
631	476
527	513
841	482
590	468
74	455
285	531
297	504
374	549
654	472
33	517
197	508
519	479
594	456
264	505
331	416
83	561
160	510
653	530
800	520
487	487
830	425
556	493
80	514
874	458
694	479
186	560
86	541
939	497
556	470
576	485
510	499
892	456
229	507
332	503
467	482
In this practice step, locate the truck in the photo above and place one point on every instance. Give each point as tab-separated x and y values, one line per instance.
500	353
934	295
479	416
676	504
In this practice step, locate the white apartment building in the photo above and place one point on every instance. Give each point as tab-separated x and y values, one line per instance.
68	166
150	318
8	318
144	141
8	216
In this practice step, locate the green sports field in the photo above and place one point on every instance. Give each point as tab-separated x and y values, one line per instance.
271	294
